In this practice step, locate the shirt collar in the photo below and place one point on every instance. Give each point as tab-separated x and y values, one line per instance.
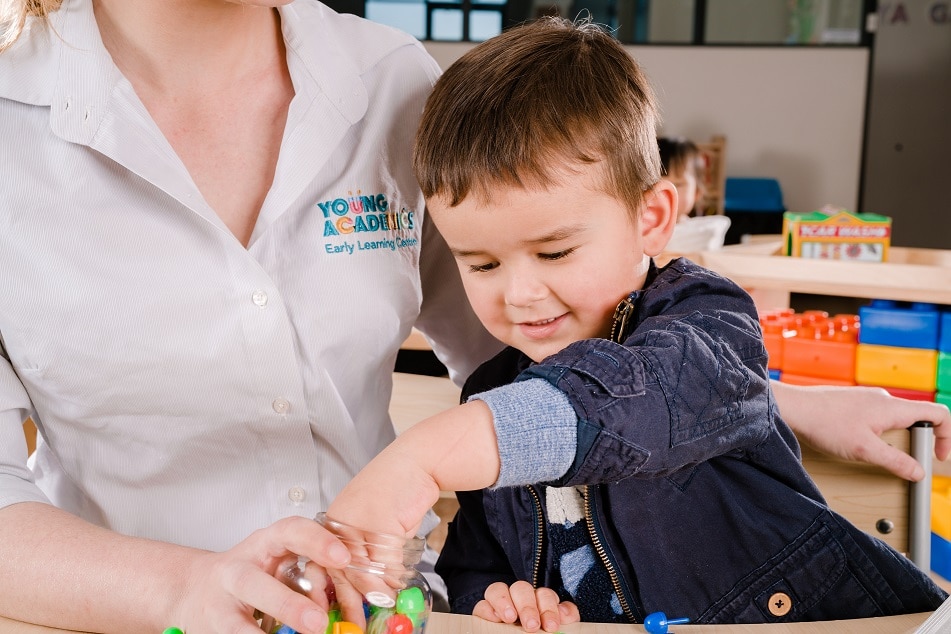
86	75
318	50
62	65
66	67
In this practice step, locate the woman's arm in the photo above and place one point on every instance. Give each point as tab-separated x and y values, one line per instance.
849	421
61	571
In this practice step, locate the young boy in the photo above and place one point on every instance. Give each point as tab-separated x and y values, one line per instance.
677	488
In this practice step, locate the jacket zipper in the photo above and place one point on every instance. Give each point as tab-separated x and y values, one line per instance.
539	534
622	314
603	555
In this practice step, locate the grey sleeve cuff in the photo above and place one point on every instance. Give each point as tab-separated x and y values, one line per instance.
536	428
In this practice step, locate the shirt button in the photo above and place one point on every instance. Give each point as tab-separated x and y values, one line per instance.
259	298
779	604
296	495
280	405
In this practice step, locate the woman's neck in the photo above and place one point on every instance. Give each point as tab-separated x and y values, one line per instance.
189	46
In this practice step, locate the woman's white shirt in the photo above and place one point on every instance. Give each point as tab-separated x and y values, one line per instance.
189	389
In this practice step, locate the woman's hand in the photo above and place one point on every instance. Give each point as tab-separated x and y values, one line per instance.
225	592
848	422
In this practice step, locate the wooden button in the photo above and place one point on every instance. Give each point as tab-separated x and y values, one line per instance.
779	604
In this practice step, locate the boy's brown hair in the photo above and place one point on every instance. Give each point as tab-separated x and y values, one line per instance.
521	107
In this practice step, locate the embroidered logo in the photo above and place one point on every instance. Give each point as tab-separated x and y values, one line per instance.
358	217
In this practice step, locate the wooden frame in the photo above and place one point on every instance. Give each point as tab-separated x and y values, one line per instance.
712	202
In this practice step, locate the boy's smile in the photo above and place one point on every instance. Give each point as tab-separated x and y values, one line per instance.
544	268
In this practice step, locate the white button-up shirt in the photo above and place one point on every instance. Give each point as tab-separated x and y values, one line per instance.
186	388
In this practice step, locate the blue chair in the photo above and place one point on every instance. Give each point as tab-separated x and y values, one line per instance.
754	205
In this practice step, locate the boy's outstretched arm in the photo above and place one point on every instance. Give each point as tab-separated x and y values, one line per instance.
849	421
455	450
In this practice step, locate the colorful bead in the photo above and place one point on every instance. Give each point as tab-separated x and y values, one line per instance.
410	601
376	624
346	627
657	622
399	624
380	599
332	617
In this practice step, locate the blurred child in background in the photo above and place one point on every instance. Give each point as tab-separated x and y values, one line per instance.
683	165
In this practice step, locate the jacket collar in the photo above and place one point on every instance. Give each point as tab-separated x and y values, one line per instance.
626	314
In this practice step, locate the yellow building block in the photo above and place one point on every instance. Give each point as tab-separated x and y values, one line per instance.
941	506
889	366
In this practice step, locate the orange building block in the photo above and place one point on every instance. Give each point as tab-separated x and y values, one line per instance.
822	347
801	379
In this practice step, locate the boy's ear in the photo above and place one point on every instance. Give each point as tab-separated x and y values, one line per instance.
658	217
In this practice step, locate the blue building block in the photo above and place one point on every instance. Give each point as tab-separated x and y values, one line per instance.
941	555
775	374
944	337
899	324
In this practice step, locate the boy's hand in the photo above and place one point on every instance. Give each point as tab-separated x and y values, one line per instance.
455	450
531	607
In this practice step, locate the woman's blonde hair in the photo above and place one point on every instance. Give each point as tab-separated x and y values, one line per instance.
13	15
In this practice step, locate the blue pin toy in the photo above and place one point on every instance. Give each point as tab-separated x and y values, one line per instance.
657	622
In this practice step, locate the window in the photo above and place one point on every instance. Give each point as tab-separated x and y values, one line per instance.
723	22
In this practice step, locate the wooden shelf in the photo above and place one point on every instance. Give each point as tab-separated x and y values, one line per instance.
915	275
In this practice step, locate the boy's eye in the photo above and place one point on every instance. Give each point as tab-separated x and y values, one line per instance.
557	255
482	268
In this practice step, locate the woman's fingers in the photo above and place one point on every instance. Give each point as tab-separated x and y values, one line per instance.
264	573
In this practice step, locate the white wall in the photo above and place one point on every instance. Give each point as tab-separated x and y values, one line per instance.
795	114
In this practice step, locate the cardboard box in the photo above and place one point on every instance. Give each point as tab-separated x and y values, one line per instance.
837	235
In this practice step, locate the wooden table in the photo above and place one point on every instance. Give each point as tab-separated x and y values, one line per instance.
455	624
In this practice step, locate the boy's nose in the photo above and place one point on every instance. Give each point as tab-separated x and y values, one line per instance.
523	290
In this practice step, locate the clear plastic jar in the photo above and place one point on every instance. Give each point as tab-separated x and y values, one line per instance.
381	582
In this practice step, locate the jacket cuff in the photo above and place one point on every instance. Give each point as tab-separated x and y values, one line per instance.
536	428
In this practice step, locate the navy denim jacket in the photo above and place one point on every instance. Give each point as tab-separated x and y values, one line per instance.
697	501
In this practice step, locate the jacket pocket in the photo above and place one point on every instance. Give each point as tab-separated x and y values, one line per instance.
817	577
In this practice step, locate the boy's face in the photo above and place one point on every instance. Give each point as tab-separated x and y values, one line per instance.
547	267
